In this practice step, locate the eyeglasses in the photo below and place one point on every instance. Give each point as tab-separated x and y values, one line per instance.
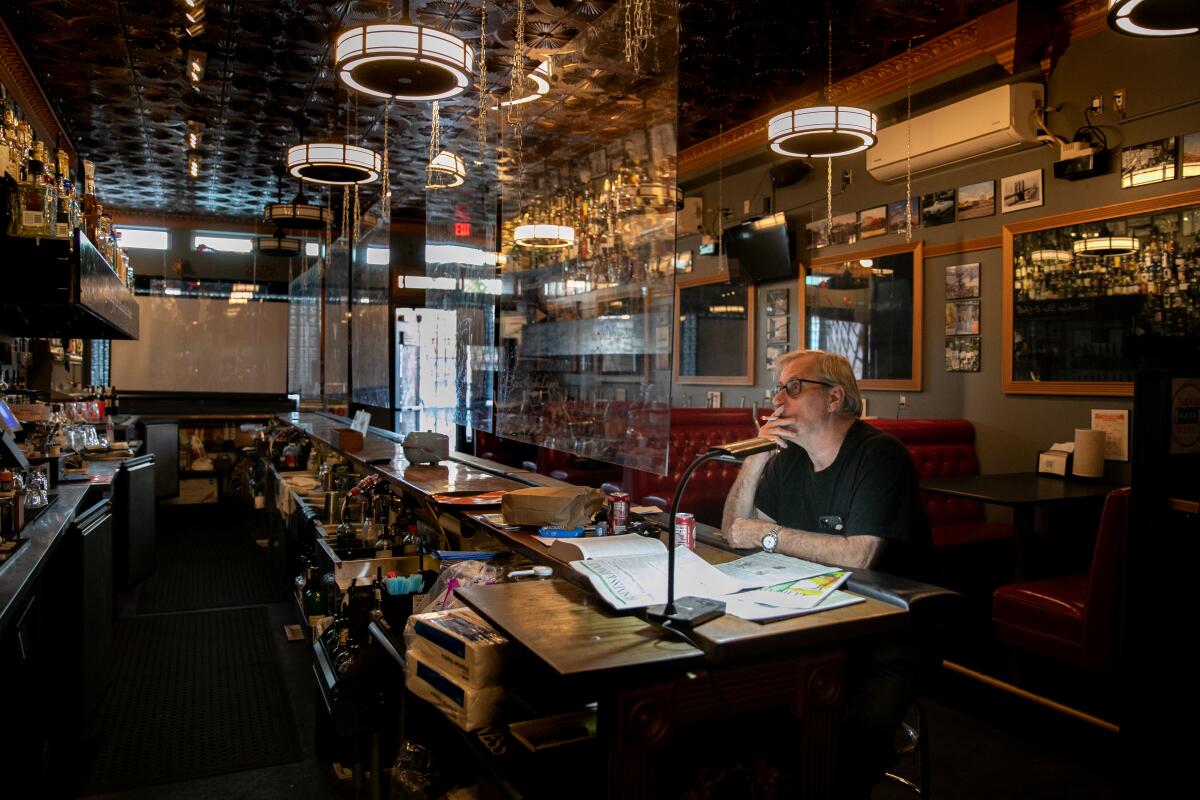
795	386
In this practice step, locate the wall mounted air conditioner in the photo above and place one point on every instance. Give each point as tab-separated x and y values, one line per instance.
996	121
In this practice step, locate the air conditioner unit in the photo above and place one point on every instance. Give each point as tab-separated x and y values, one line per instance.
996	121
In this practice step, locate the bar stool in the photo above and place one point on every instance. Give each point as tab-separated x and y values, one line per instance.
914	738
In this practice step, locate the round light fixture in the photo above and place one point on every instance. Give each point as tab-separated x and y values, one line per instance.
297	215
1050	257
1106	245
404	60
278	245
822	131
445	171
1154	18
544	236
539	76
334	163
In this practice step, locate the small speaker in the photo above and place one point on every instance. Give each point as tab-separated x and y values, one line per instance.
789	172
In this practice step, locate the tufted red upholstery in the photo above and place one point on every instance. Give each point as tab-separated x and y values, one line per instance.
1075	618
943	448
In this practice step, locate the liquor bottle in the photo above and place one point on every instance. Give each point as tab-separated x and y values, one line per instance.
64	222
32	193
315	606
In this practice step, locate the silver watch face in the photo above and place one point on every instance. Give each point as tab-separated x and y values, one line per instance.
770	542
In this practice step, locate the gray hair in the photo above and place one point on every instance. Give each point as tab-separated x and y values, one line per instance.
832	368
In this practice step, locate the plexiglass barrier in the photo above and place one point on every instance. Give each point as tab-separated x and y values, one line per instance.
369	314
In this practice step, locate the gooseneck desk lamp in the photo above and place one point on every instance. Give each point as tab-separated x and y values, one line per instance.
692	611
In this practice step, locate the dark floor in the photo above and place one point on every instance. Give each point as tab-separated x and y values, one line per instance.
199	548
984	744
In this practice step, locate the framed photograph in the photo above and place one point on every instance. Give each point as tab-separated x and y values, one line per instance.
1022	191
774	351
976	200
1189	156
962	317
872	222
683	262
895	215
777	302
962	353
777	329
845	229
818	234
1152	162
937	208
962	281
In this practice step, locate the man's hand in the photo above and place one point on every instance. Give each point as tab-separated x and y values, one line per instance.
779	430
746	534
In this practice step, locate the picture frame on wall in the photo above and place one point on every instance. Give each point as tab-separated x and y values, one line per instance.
777	302
872	222
1149	162
818	234
976	200
777	329
845	228
962	353
1189	156
895	215
1021	191
683	262
774	351
937	208
962	317
962	281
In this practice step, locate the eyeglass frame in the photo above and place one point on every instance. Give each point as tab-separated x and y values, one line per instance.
783	387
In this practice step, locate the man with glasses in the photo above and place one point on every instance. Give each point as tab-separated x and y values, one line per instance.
838	491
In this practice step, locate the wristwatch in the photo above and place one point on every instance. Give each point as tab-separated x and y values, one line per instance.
770	540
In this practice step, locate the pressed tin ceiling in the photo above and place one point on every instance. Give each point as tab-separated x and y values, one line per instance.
115	72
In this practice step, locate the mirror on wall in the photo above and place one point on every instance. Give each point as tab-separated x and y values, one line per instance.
714	331
867	306
1081	289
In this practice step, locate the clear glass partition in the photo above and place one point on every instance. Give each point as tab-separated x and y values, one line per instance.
588	199
304	334
336	331
369	312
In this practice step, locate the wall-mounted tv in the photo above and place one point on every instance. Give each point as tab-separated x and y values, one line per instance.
762	248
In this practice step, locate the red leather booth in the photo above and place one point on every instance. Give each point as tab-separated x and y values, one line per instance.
1074	618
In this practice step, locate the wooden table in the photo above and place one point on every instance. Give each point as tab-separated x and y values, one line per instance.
1023	492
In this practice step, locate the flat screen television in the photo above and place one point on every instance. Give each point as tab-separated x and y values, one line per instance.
762	249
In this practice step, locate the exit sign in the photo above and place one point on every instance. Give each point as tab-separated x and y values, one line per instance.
462	229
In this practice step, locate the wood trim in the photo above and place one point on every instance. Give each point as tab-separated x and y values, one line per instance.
1008	384
751	322
963	247
914	383
1083	18
18	77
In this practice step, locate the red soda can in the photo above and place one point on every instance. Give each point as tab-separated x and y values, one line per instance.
618	512
685	530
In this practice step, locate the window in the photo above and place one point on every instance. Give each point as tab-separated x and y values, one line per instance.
222	243
143	238
378	254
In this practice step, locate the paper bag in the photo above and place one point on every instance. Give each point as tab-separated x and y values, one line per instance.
560	506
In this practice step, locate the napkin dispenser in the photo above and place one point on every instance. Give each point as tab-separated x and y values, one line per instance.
426	447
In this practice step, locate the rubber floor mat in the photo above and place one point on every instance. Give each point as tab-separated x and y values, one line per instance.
207	558
193	695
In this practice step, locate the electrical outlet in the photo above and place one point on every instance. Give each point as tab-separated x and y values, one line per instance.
1118	100
745	206
1097	105
903	401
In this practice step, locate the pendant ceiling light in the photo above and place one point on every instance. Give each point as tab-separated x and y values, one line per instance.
278	244
539	79
334	163
1104	244
1154	18
403	60
298	214
544	236
823	131
1049	257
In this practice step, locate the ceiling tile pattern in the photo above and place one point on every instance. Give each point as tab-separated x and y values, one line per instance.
115	72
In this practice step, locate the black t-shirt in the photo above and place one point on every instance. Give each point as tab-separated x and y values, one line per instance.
871	488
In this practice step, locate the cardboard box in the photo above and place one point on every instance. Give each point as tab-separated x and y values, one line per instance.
468	707
347	440
460	644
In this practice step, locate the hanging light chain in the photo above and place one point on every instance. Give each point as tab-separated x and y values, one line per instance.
481	113
435	142
829	197
908	153
637	32
386	192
